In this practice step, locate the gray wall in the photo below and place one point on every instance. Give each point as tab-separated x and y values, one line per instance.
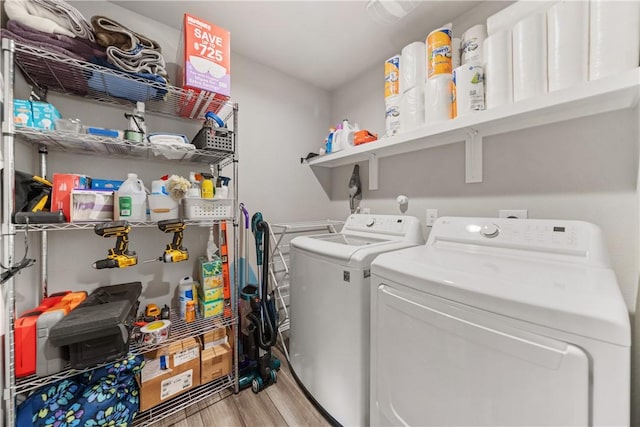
272	107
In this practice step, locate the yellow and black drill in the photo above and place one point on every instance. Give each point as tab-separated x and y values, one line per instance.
174	252
120	256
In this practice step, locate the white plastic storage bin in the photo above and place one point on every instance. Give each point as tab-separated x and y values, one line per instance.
207	208
163	207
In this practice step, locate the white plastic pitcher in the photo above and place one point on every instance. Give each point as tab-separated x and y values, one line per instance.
131	200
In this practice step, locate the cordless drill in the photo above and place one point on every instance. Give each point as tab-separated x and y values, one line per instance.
119	256
174	251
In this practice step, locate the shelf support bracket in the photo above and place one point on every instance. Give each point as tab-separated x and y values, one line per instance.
473	156
373	172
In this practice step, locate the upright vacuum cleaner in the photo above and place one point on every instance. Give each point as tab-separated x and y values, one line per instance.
258	323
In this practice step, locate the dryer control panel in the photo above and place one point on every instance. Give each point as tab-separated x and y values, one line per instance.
401	226
575	238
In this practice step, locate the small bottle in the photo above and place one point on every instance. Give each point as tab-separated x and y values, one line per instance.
190	315
207	191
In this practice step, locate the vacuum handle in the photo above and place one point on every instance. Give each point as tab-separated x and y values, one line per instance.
245	213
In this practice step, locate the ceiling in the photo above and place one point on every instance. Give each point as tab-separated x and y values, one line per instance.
325	43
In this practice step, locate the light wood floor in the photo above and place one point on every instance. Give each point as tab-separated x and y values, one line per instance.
281	404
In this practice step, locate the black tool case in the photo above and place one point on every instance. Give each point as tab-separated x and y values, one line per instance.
98	330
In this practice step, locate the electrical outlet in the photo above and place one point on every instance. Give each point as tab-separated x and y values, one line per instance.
432	215
512	213
365	211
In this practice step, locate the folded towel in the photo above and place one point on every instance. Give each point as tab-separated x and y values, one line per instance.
64	14
54	75
111	33
128	50
144	61
82	47
17	11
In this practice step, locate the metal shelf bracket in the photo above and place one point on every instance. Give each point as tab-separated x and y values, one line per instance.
473	156
373	171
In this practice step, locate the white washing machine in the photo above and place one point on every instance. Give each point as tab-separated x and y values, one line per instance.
330	297
500	322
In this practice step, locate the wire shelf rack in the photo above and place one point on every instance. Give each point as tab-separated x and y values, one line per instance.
179	330
50	71
92	145
185	400
91	225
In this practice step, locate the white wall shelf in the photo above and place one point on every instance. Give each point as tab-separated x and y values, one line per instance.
595	97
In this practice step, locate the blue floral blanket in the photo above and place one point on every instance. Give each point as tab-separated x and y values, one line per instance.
107	396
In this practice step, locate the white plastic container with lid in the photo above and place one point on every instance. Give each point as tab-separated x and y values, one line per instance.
131	200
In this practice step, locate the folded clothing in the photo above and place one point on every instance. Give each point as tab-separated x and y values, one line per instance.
50	16
128	50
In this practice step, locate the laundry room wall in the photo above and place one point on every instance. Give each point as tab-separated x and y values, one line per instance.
585	169
280	120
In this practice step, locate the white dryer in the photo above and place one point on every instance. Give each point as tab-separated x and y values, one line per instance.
329	309
500	322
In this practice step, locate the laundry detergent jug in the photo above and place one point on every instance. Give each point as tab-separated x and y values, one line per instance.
131	198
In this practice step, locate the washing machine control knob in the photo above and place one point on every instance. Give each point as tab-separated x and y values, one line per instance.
370	222
490	231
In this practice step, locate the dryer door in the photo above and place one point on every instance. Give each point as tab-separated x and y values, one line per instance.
435	362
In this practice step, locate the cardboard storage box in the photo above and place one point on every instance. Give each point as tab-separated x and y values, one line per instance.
89	205
216	357
169	371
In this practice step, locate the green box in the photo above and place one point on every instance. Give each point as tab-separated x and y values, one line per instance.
210	309
210	272
210	294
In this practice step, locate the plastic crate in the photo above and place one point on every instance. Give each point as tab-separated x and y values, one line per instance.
216	139
207	208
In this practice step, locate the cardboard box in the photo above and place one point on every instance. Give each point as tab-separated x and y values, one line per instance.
204	55
63	185
215	362
44	115
210	309
215	337
169	371
22	115
88	205
210	272
210	294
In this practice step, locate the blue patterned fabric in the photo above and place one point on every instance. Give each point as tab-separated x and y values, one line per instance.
107	396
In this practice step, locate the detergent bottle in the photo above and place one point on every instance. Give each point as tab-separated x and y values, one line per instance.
131	200
337	139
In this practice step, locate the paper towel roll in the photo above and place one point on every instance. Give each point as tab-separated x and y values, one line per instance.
471	46
456	43
498	69
468	85
506	18
439	51
414	64
412	109
615	39
392	76
437	99
392	115
568	44
530	57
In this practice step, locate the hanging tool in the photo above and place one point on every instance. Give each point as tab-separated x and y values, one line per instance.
224	256
119	256
174	251
355	189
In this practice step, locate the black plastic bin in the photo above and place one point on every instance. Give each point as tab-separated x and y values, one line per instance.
99	329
